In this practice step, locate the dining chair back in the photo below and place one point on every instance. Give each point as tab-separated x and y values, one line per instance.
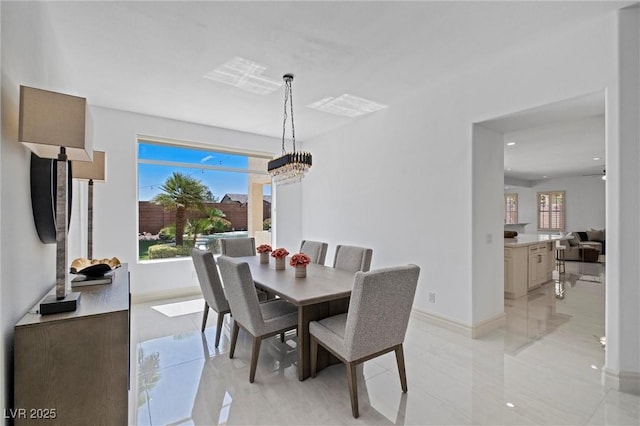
211	286
379	310
316	250
352	258
261	320
376	323
238	247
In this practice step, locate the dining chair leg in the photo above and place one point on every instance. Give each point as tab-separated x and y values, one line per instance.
234	338
281	337
314	356
219	328
353	388
205	315
401	370
255	353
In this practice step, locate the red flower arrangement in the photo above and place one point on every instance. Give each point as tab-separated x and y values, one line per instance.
300	259
280	253
263	248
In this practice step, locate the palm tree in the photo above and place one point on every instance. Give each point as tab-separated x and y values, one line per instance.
217	220
197	226
182	193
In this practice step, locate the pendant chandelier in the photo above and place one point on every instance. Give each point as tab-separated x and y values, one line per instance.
290	167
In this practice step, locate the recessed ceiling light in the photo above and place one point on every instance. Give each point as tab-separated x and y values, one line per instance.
511	143
594	367
596	158
347	105
244	74
510	404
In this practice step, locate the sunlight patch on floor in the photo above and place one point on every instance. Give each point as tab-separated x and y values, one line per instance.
180	308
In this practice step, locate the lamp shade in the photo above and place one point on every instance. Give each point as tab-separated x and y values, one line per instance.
50	120
91	170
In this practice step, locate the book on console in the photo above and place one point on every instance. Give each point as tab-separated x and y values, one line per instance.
83	280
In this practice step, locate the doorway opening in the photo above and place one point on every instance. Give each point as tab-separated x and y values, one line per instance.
551	149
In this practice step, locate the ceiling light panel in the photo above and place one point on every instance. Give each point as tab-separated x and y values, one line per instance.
244	74
347	105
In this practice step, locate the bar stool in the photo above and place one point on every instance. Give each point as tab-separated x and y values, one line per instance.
560	265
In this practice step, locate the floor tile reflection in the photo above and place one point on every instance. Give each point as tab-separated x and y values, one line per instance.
544	367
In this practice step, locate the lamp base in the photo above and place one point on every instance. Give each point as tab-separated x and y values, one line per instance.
50	305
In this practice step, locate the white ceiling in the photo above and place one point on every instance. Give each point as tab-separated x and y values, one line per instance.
562	139
150	57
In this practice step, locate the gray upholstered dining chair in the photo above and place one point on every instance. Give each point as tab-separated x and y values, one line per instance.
375	323
316	250
261	320
352	258
211	286
238	247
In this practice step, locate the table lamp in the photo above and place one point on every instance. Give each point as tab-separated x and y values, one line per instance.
54	125
93	172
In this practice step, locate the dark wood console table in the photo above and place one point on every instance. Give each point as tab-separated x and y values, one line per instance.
73	368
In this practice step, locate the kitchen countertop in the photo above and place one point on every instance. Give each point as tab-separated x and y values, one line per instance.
523	240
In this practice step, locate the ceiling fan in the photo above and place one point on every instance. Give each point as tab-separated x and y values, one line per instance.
603	174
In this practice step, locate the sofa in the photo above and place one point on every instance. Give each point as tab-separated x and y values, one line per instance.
585	245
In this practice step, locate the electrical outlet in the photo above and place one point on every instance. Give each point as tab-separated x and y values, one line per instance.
432	297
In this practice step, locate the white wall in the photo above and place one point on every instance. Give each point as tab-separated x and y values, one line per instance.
585	202
404	185
487	276
116	202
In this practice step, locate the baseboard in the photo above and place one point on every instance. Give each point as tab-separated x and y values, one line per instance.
481	329
442	321
623	381
487	326
166	294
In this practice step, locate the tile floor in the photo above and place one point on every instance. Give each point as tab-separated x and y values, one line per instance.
542	368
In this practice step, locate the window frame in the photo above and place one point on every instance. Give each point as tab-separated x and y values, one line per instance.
505	210
207	148
552	195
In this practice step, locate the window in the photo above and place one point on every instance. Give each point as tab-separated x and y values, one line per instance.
551	206
510	208
192	195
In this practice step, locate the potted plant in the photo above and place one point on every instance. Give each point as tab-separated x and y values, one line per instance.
264	250
280	254
300	262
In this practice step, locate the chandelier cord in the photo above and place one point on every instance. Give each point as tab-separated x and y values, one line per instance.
288	97
284	121
293	127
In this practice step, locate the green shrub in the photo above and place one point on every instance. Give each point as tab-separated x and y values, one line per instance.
185	249
168	233
266	224
162	251
143	247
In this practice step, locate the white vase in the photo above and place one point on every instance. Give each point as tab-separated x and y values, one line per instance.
264	257
280	263
301	271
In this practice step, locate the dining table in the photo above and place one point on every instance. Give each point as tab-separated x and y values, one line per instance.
324	292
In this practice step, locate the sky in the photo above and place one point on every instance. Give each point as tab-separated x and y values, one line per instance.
152	176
